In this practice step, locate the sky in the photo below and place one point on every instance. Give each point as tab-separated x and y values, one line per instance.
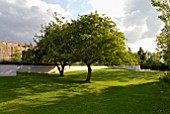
21	20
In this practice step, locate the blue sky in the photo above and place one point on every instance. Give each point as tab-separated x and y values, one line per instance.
20	20
76	7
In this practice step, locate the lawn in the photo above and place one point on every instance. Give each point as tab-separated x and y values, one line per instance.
112	91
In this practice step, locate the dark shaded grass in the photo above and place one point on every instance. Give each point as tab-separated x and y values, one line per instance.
112	91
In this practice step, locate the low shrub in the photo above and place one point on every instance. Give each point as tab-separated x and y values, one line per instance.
19	63
11	62
165	76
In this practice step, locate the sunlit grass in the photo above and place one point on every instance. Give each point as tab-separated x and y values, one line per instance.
112	91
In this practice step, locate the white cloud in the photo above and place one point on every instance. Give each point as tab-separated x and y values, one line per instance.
47	7
138	19
132	32
113	8
146	44
20	20
11	1
142	14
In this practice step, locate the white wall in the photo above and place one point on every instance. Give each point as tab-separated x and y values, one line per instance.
10	70
73	68
35	68
136	68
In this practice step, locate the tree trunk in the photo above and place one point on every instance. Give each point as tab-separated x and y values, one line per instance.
61	70
89	73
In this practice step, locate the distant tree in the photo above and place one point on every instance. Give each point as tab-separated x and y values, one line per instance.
31	56
163	40
96	39
142	56
133	56
152	60
16	56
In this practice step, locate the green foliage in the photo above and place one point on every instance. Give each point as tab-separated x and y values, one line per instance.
96	39
164	47
132	58
90	39
54	46
163	40
142	56
165	76
32	56
148	59
112	91
16	56
153	59
11	62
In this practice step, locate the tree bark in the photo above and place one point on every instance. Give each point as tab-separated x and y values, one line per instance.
61	70
89	73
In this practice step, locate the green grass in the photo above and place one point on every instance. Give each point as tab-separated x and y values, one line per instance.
112	91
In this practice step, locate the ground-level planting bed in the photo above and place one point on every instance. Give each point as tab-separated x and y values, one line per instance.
112	91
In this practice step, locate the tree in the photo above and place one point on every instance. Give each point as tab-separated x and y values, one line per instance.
147	59
133	58
16	56
31	56
163	40
152	60
54	44
142	56
96	39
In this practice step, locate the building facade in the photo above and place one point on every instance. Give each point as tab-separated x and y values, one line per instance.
7	49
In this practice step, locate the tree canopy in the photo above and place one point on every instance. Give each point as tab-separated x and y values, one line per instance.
163	39
89	39
96	39
53	45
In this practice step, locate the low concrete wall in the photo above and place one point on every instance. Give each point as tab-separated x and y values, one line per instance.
11	70
73	68
8	70
35	68
136	68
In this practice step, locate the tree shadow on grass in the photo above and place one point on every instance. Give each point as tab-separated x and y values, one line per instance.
150	98
122	75
31	84
29	93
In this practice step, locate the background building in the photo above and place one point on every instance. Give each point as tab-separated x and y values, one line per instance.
8	49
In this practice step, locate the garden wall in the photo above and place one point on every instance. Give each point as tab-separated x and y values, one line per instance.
8	70
11	70
35	68
136	68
